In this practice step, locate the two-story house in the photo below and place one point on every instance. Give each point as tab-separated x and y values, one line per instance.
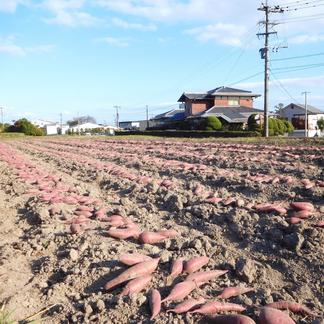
229	104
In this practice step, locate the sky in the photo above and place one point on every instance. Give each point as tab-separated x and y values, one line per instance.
83	57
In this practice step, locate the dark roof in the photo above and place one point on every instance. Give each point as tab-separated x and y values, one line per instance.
310	109
195	96
235	114
227	89
171	114
220	91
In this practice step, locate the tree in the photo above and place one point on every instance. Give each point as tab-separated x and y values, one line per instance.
254	123
278	108
320	124
289	126
81	120
213	123
25	126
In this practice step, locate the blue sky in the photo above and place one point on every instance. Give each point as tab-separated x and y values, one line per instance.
79	57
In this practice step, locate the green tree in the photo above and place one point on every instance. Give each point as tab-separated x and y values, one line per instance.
320	124
254	123
281	126
25	126
289	126
278	108
213	123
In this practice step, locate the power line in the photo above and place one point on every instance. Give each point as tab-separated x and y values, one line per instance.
246	79
299	2
297	57
283	87
300	66
300	69
306	7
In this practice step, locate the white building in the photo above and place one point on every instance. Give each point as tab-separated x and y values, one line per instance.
87	127
295	113
42	123
51	129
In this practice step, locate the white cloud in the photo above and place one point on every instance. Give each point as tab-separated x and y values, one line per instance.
69	13
9	5
8	46
114	41
227	34
217	15
73	19
304	39
313	81
136	26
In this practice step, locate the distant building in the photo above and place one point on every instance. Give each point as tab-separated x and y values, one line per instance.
170	116
41	123
223	97
89	127
51	129
295	113
139	125
234	106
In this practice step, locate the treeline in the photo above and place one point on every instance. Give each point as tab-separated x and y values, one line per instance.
22	126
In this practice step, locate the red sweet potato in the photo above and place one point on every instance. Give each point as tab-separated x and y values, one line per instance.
180	291
83	213
292	306
213	200
76	228
217	307
176	268
168	233
234	291
123	233
319	224
295	220
270	315
302	214
302	206
205	276
230	319
133	258
195	264
155	303
136	285
229	201
187	305
151	237
137	270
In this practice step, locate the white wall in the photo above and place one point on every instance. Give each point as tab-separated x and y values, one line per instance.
51	129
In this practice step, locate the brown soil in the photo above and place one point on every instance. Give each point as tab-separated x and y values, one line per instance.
42	264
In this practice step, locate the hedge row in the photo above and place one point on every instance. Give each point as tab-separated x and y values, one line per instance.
191	134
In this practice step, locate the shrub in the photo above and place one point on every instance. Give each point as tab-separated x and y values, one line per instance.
289	126
281	126
25	126
254	123
320	124
213	123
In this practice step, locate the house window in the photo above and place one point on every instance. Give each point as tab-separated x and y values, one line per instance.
233	101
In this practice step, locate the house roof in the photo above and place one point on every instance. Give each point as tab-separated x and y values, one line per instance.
173	114
219	91
235	114
310	109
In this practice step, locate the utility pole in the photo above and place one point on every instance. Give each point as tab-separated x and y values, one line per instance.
305	93
147	117
265	55
2	125
61	121
117	115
